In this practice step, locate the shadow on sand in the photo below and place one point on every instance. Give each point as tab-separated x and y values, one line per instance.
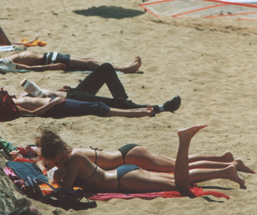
110	12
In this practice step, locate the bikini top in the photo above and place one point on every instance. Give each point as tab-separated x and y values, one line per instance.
79	182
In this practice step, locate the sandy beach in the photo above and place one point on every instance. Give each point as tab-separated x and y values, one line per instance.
210	63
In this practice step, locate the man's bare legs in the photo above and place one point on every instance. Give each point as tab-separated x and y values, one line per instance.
77	63
137	112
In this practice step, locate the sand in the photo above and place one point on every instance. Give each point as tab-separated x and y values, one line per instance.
210	63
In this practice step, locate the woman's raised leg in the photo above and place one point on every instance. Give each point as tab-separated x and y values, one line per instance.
181	172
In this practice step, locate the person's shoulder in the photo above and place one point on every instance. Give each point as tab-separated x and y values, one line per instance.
76	154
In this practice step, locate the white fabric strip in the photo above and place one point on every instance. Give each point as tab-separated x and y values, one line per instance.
47	58
54	57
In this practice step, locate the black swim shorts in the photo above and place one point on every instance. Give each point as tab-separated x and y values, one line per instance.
55	57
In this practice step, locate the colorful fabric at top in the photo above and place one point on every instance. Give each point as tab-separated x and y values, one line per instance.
6	146
34	43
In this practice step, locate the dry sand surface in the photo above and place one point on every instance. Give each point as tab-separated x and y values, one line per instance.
210	63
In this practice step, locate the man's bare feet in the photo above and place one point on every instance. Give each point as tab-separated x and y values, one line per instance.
189	133
132	66
240	166
231	174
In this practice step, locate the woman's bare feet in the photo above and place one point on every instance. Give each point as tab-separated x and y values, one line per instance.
231	174
240	166
189	133
131	67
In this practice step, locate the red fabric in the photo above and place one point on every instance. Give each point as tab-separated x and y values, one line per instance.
18	159
8	109
194	192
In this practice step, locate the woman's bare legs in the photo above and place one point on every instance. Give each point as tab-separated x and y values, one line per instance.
181	172
238	163
230	172
77	63
226	157
144	181
142	158
137	112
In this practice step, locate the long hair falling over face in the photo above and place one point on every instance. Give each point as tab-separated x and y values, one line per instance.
51	144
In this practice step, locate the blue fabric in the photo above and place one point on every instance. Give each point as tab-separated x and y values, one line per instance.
24	169
77	108
122	170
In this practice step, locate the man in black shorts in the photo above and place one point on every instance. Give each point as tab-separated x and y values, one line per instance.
55	61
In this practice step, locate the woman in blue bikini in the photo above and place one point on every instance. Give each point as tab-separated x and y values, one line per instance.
81	171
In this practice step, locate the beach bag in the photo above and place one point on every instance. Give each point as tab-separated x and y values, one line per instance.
8	110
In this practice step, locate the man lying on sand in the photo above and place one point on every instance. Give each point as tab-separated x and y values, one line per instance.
58	107
56	61
82	100
105	74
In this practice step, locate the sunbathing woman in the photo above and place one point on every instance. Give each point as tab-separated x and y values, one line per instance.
129	178
55	61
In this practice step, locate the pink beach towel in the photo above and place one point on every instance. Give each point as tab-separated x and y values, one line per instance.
195	191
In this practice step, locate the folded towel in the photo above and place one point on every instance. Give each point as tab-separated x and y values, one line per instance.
34	43
12	48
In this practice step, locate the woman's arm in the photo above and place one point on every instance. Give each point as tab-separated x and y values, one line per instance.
43	109
56	66
78	165
74	164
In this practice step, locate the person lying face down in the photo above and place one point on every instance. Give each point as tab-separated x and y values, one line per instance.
137	155
55	61
62	103
80	171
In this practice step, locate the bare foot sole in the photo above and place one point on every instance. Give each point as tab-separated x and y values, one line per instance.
133	66
240	166
188	133
234	176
